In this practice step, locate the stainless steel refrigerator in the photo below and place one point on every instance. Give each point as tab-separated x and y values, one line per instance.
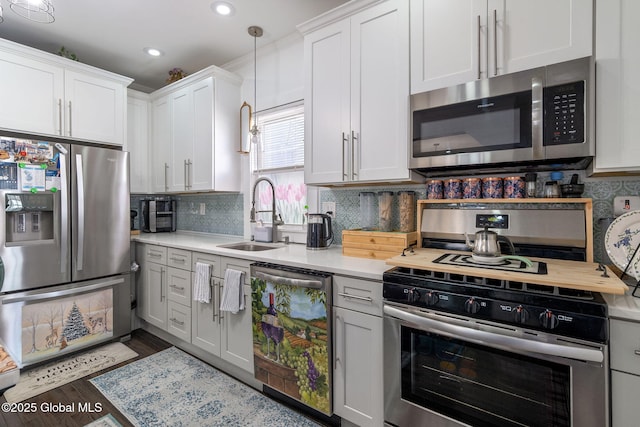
64	250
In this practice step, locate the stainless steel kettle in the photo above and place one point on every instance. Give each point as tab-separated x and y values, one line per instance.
319	231
486	243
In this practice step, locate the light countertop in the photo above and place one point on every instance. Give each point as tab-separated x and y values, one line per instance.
625	307
296	255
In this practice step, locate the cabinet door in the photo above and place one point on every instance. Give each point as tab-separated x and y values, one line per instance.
448	43
138	144
624	398
155	294
32	95
181	111
617	86
201	168
95	108
179	320
380	92
533	34
205	320
237	339
160	145
327	154
358	386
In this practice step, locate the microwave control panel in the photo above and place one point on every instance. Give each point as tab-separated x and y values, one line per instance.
564	114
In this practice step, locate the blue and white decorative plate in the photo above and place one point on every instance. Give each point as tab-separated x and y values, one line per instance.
622	239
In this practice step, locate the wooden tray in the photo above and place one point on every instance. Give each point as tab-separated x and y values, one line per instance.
376	244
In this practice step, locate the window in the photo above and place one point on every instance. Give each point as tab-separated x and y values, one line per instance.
279	156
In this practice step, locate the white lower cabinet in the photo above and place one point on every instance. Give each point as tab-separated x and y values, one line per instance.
222	333
625	372
152	287
358	389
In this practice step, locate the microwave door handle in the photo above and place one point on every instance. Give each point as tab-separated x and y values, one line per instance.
64	213
80	188
537	118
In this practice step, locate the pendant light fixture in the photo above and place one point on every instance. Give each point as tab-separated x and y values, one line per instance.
34	10
255	32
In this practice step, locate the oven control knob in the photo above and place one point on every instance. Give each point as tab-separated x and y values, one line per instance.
472	306
521	314
431	298
548	320
414	295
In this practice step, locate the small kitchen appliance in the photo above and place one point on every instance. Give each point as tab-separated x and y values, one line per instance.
158	214
319	231
467	348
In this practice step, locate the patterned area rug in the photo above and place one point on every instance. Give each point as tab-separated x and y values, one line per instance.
176	389
106	421
47	377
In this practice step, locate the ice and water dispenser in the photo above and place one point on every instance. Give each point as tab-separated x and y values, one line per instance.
29	217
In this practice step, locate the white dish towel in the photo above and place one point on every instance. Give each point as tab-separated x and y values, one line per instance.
232	296
201	288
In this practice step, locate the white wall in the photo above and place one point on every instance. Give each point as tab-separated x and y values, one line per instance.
280	78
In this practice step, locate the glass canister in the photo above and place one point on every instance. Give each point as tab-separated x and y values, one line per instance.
407	202
385	202
368	217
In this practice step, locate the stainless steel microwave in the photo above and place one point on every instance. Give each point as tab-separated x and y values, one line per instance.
530	120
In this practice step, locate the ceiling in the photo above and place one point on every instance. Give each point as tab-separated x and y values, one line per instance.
111	34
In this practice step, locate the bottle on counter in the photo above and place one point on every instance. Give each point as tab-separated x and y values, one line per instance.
368	215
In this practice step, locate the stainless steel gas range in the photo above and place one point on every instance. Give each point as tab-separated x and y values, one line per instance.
468	349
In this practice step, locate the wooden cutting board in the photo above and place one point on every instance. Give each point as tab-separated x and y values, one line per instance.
564	274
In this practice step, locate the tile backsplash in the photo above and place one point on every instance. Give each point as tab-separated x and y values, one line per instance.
224	213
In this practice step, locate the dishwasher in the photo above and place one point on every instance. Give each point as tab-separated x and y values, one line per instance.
292	342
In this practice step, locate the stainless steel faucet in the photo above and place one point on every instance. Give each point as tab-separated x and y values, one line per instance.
276	219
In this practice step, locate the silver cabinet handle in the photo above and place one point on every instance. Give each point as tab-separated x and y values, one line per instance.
337	359
636	352
176	321
180	260
70	125
495	42
188	181
80	188
213	300
59	116
354	138
180	288
186	184
154	254
166	184
368	299
479	49
345	140
161	283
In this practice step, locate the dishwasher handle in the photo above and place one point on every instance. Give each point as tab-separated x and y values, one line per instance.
303	283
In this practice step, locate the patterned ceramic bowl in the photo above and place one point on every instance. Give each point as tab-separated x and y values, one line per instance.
471	188
452	188
492	187
434	189
514	187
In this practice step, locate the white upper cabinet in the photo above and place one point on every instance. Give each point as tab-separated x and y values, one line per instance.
196	132
49	95
138	110
457	41
357	96
617	86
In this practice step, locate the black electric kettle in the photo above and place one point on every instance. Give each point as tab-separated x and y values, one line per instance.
319	232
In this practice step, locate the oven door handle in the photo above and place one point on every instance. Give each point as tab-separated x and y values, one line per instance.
494	339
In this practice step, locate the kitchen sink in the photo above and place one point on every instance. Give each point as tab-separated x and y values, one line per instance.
251	247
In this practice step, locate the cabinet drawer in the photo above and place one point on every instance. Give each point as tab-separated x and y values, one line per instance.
625	346
236	264
360	295
212	260
179	321
157	254
179	258
179	286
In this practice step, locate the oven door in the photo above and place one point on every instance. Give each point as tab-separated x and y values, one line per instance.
452	371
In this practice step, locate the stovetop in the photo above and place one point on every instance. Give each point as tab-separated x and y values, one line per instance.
568	312
501	263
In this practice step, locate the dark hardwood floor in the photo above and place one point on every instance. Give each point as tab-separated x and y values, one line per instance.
81	391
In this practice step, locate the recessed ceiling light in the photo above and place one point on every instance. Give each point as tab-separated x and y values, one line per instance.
153	51
223	8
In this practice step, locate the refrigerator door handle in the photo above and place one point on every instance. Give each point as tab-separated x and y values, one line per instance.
57	294
64	213
305	283
80	184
